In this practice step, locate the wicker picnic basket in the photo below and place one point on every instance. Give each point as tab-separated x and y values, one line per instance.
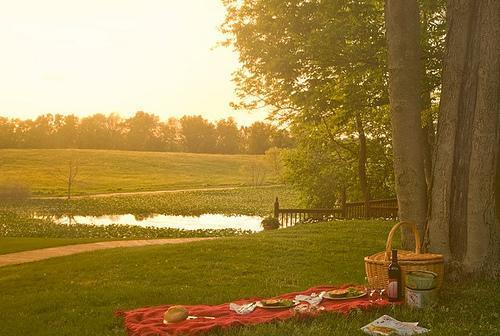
377	264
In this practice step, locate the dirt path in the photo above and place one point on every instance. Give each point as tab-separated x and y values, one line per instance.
51	252
154	192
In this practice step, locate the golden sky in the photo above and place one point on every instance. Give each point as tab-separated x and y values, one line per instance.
89	56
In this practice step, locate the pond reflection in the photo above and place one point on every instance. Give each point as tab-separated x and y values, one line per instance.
206	221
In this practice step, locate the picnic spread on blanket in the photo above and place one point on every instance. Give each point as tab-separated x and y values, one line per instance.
394	277
202	318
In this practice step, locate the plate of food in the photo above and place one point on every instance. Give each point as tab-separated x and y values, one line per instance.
344	294
277	303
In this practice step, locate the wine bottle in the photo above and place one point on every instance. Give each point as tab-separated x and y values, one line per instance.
394	288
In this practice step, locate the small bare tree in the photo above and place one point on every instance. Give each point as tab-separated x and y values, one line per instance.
70	173
73	166
255	171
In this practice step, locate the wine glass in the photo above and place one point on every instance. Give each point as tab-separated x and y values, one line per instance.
370	289
376	292
381	297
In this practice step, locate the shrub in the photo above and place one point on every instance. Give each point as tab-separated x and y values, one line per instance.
255	171
14	192
270	223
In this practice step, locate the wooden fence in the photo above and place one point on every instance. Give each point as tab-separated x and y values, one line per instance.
384	208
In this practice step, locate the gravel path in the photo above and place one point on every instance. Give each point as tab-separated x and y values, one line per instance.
51	252
154	192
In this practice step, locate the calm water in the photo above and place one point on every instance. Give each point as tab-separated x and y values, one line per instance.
207	221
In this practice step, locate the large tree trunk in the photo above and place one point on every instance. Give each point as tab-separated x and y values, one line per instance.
497	186
405	81
362	158
463	223
428	138
429	134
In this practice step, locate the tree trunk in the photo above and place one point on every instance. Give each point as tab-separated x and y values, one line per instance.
405	81
72	172
497	187
429	134
463	224
428	129
70	178
362	157
69	188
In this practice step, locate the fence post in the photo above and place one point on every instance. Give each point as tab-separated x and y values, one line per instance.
276	208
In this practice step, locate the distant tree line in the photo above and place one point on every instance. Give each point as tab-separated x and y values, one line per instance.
142	132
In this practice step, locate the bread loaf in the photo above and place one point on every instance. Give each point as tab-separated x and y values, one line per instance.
175	314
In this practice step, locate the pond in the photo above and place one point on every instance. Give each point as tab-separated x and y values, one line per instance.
205	221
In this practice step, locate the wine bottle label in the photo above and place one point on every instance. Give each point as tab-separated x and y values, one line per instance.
392	289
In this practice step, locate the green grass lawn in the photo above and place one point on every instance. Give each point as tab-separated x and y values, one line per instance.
78	295
17	244
105	171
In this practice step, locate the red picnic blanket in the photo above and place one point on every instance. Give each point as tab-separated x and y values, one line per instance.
148	321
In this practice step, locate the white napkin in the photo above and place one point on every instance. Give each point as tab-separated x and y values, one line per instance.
243	309
313	299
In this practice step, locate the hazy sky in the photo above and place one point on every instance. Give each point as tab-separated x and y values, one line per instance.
89	56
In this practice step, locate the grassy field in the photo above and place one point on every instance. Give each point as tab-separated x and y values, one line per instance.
150	170
78	295
106	171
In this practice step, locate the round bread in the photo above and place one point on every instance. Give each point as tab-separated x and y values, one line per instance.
175	314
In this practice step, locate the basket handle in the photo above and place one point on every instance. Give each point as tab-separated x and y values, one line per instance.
388	244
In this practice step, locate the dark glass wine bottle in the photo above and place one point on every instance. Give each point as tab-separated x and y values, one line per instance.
395	287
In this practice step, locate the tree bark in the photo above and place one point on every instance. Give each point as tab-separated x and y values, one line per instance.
72	172
463	224
497	188
405	81
428	138
362	158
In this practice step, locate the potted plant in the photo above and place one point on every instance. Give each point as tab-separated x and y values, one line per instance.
270	223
